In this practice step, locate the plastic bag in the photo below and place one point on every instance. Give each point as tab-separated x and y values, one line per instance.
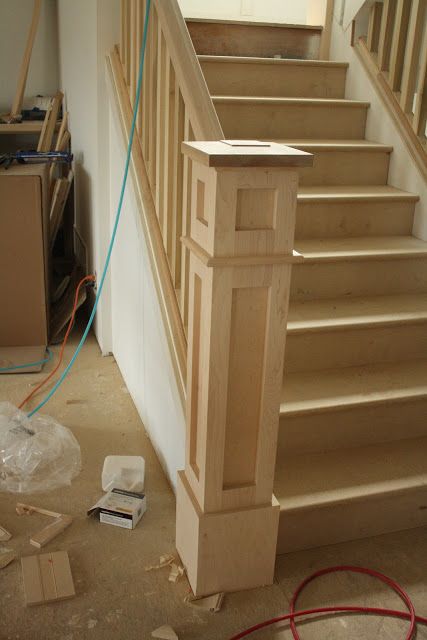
36	454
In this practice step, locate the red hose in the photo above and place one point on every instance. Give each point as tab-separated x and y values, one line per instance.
293	615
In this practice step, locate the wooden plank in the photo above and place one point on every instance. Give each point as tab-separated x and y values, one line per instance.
47	578
25	65
386	34
145	102
178	179
46	136
412	57
126	61
41	538
154	60
60	136
133	52
59	198
399	43
186	216
140	5
169	177
4	534
160	128
419	119
325	38
374	26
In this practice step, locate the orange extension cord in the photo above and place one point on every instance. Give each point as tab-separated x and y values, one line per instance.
293	615
83	281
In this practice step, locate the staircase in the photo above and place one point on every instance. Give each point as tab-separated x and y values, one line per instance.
353	437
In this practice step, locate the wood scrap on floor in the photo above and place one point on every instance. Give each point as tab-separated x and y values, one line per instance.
176	573
47	578
48	533
165	561
211	603
165	633
6	556
4	534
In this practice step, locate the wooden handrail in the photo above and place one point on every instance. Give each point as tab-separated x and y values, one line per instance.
397	45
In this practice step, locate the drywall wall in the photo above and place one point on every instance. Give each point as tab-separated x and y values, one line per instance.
43	74
139	343
82	78
286	11
403	172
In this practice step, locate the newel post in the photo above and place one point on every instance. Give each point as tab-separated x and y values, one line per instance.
241	239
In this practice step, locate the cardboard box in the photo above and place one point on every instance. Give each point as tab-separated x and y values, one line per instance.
24	264
120	508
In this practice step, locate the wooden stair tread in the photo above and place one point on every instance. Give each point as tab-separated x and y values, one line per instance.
342	313
317	480
253	23
336	145
291	62
353	193
345	387
367	247
300	102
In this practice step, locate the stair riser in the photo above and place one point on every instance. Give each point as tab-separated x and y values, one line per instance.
346	348
263	41
276	80
329	430
344	219
316	527
319	280
346	168
255	120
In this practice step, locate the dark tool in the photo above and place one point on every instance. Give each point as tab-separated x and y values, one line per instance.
28	157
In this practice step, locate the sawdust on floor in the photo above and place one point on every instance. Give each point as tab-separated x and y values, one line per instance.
116	598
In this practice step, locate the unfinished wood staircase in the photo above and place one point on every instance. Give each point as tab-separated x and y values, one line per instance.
351	458
353	437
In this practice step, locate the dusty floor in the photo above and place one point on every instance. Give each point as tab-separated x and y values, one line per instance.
117	599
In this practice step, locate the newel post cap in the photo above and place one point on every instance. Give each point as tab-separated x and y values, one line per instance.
246	153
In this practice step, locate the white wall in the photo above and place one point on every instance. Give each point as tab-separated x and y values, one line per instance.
128	322
88	29
285	11
15	17
140	345
403	172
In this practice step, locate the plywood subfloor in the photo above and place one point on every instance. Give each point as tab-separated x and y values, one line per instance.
116	599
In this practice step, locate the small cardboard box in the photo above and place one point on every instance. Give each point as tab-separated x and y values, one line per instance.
120	508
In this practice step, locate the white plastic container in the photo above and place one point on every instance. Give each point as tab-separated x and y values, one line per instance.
123	472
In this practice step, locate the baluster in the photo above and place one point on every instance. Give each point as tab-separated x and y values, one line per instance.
413	49
160	140
399	42
386	34
178	175
420	115
374	26
133	53
152	128
169	177
186	213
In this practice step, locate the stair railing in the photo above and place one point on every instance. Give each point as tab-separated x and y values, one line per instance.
219	224
393	44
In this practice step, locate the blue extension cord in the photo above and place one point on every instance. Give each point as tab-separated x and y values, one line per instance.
40	363
116	223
